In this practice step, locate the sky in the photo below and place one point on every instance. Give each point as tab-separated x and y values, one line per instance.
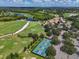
39	3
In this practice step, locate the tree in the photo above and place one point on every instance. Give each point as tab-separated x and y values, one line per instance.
41	35
68	42
13	56
55	40
69	49
49	33
30	34
71	18
56	32
50	57
76	24
24	49
47	27
35	36
65	27
50	51
66	35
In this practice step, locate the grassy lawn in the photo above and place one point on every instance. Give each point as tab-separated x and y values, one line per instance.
27	14
10	27
66	14
31	55
34	27
13	44
17	43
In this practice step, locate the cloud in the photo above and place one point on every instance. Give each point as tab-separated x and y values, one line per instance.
40	3
77	1
17	1
43	1
37	0
48	0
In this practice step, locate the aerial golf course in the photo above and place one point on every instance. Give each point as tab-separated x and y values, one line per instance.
16	43
38	33
21	43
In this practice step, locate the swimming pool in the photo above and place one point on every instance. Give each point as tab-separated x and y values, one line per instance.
41	48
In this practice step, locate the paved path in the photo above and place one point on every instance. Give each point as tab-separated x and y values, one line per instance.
20	30
24	27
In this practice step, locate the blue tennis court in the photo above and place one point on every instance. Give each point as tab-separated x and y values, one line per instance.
41	48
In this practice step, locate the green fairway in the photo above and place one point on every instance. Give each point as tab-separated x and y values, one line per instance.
7	45
10	27
34	27
17	43
31	55
66	15
27	14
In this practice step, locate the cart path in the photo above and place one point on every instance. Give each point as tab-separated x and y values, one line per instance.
23	28
20	30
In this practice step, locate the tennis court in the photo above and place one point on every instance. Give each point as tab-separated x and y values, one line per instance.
41	48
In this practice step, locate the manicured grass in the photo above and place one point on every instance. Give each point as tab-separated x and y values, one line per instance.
13	44
10	27
27	14
34	27
66	14
31	55
18	42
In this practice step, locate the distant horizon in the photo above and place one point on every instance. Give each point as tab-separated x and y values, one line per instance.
33	7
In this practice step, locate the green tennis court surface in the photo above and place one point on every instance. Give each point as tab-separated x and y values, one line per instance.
41	48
